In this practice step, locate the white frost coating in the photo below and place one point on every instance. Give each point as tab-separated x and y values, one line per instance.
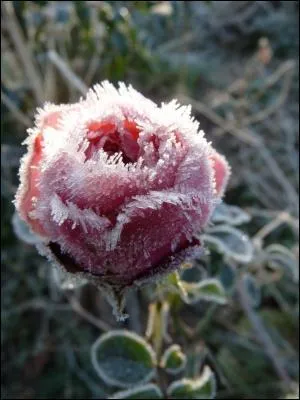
85	218
231	241
22	230
194	385
112	237
150	118
154	200
59	211
202	291
175	348
151	389
108	378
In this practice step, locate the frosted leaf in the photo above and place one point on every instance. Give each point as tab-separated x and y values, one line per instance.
173	360
278	256
207	289
149	391
22	230
227	275
232	215
173	284
203	387
230	241
123	359
252	289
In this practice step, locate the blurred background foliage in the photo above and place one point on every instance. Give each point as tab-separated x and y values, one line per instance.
236	63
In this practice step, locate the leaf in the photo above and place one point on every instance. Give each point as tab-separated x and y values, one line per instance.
253	290
227	276
149	391
232	215
173	359
280	257
172	284
230	241
123	359
208	289
22	231
203	387
194	274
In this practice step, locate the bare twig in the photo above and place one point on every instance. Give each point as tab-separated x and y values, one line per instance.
77	307
175	43
35	304
280	219
19	115
253	139
281	177
92	69
242	134
261	115
284	68
67	73
23	50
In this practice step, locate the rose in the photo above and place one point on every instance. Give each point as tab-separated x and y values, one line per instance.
117	187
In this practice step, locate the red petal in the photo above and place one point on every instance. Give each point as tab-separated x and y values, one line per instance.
131	127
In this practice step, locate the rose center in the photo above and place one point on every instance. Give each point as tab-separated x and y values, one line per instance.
112	139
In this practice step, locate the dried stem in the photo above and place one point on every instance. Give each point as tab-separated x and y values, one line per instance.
77	307
19	115
17	37
67	73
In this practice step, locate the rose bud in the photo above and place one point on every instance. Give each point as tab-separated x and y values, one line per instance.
118	188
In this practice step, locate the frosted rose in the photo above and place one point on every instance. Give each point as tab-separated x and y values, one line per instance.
117	187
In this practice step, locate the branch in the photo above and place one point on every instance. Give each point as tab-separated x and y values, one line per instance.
19	115
17	37
67	73
77	307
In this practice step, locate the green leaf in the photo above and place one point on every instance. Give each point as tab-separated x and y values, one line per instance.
149	391
230	241
173	359
232	215
253	290
227	276
172	284
208	289
203	387
22	231
278	256
123	359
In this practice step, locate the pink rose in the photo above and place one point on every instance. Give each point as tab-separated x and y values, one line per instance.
118	187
